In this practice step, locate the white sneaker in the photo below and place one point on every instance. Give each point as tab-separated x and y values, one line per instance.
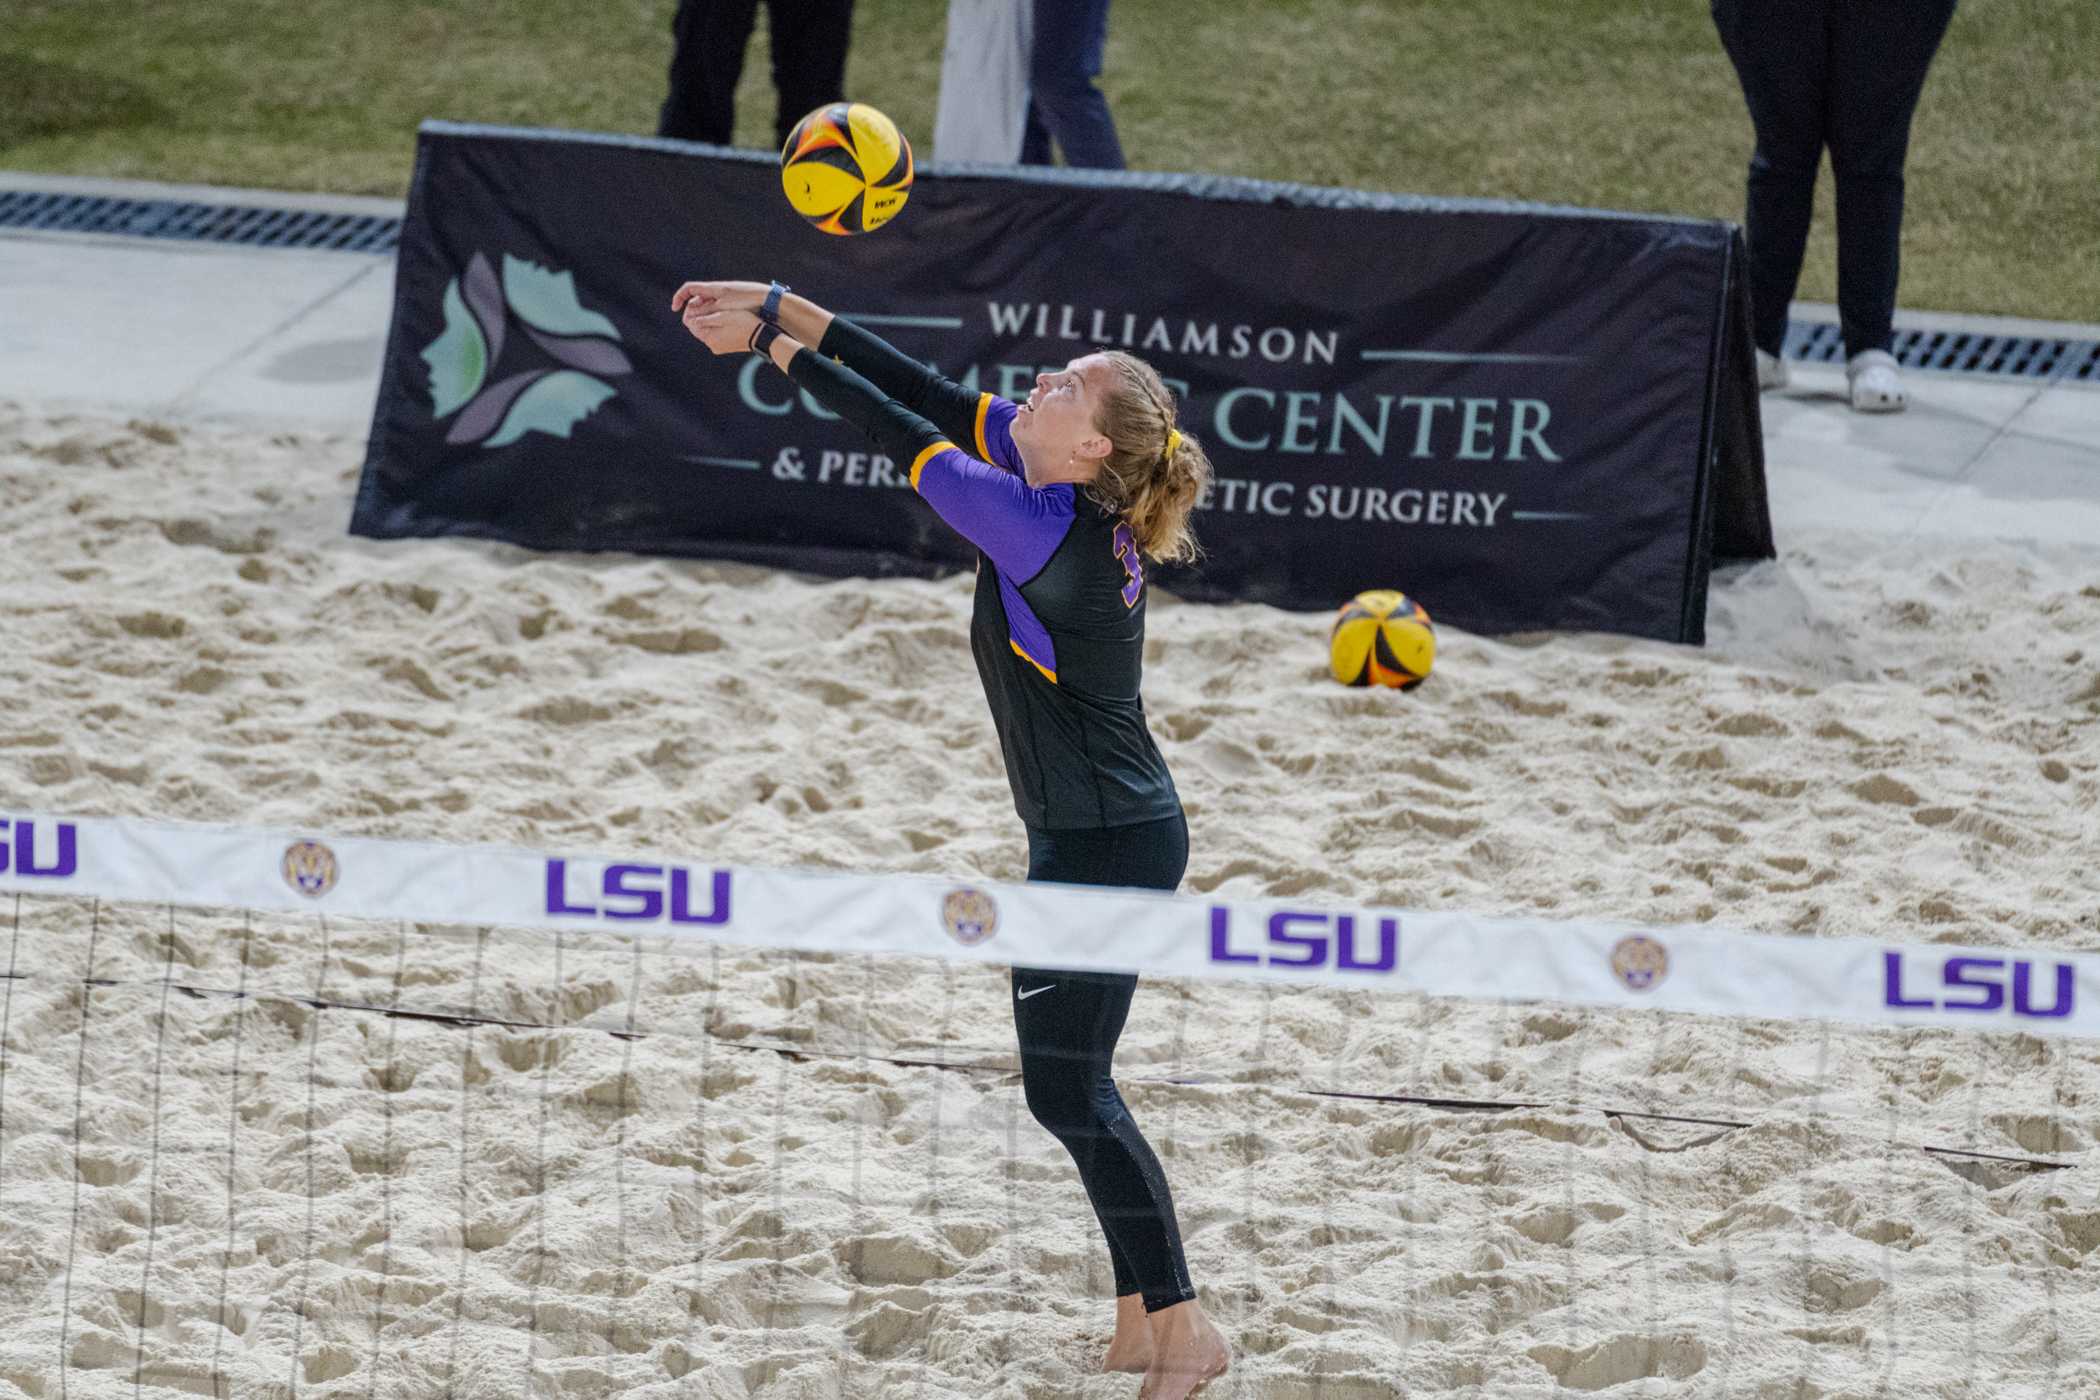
1876	387
1771	371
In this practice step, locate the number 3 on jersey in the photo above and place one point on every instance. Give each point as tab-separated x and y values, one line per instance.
1133	564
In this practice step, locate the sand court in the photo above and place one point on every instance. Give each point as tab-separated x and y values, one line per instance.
628	1166
590	1165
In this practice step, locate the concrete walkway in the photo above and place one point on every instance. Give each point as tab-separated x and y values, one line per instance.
171	329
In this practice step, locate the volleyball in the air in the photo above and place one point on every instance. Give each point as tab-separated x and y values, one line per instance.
846	168
1382	637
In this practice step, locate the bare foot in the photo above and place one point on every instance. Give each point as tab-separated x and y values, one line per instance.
1188	1353
1131	1350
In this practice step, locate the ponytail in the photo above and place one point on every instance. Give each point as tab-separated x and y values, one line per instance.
1154	473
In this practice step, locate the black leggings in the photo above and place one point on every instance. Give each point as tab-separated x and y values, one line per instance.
1069	1023
707	57
1838	74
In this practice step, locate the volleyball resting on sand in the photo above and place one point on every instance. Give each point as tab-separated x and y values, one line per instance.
851	817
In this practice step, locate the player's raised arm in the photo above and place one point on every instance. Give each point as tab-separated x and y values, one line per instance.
727	329
958	412
1016	525
796	316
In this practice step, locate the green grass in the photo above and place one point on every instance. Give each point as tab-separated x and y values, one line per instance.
1623	104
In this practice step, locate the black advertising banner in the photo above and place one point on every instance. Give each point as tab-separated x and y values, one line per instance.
1526	417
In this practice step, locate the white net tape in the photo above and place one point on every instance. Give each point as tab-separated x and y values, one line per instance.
258	1149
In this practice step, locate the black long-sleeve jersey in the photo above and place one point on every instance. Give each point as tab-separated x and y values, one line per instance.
1058	627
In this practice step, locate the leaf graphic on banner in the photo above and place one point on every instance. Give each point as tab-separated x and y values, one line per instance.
488	408
547	300
458	359
553	406
583	352
485	299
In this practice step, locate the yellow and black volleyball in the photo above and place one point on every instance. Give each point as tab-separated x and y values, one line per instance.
846	168
1382	637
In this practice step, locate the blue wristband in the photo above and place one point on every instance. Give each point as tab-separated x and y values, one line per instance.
771	310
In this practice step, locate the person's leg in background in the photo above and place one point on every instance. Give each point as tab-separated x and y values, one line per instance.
809	39
1880	52
1035	139
1063	103
708	39
1781	55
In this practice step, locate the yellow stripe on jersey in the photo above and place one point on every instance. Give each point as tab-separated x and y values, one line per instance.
984	406
918	463
1052	675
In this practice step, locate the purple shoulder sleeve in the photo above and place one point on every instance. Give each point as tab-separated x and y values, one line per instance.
1018	525
995	437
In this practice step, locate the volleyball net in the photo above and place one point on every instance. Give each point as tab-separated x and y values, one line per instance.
288	1113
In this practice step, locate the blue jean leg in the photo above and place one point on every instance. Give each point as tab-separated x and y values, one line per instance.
1063	103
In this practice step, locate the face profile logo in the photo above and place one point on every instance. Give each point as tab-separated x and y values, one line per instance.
310	868
970	916
1640	962
549	398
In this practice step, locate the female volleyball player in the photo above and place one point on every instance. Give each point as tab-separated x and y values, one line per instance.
1065	497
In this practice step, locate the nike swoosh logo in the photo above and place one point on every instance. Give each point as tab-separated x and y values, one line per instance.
1023	996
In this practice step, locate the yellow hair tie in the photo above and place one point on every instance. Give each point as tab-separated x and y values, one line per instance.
1173	444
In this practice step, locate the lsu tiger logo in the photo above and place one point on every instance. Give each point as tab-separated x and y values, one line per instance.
1640	962
970	916
310	868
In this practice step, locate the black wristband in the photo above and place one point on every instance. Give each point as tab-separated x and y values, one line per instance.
770	312
762	337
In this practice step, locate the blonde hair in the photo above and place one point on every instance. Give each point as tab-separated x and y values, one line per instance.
1153	472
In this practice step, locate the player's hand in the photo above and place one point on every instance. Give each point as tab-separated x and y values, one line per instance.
720	296
724	332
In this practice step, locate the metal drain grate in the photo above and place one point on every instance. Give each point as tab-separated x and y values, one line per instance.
209	223
1959	352
2087	370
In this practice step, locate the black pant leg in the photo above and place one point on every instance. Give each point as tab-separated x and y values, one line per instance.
1068	1025
1068	1039
809	40
1065	58
1880	52
708	39
1035	139
1780	49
